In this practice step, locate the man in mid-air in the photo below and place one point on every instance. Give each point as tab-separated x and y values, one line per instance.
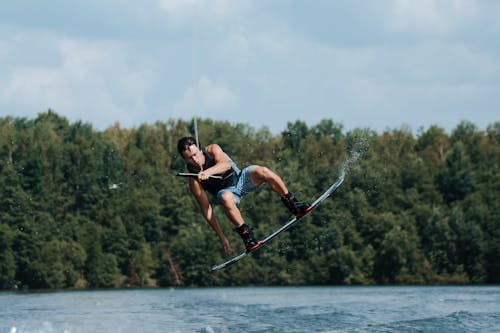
219	175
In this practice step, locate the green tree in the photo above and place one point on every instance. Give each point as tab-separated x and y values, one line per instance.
101	269
60	264
7	259
143	263
397	257
453	178
294	135
85	208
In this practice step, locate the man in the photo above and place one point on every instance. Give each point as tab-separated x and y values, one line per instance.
228	186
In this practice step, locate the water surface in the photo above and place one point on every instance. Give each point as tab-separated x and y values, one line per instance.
263	309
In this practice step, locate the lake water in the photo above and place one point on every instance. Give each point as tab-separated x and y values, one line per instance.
252	309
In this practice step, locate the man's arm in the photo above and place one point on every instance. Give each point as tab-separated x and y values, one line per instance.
221	162
208	214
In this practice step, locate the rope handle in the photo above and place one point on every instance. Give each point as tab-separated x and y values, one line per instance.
190	174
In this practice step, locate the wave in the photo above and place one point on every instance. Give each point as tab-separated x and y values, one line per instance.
462	321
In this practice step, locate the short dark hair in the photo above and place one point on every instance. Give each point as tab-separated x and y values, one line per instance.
185	143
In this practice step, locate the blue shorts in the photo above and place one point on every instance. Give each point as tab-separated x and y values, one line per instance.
243	185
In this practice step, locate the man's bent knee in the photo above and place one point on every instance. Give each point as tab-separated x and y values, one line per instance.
261	174
227	199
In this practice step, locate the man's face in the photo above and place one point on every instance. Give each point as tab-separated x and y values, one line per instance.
193	156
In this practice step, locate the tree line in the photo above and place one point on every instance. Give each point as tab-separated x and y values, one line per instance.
81	208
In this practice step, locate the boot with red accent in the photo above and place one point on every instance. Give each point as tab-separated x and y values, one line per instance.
297	208
246	233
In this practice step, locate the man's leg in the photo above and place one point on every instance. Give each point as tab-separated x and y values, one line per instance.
260	174
228	202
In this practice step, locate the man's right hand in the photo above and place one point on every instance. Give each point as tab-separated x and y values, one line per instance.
227	248
203	176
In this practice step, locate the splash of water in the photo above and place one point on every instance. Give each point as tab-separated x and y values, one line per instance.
358	149
349	163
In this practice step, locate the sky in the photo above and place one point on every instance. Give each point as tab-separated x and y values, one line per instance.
378	64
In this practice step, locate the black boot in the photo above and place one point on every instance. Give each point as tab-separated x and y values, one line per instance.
246	233
297	208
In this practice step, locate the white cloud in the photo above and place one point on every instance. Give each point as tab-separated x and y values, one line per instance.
185	11
378	84
88	80
430	16
206	96
179	11
34	87
251	61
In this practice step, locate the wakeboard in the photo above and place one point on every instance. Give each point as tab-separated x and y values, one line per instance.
285	227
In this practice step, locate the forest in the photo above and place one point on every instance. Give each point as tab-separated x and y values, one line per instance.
82	208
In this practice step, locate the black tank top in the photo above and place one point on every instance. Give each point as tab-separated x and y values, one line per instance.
214	185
